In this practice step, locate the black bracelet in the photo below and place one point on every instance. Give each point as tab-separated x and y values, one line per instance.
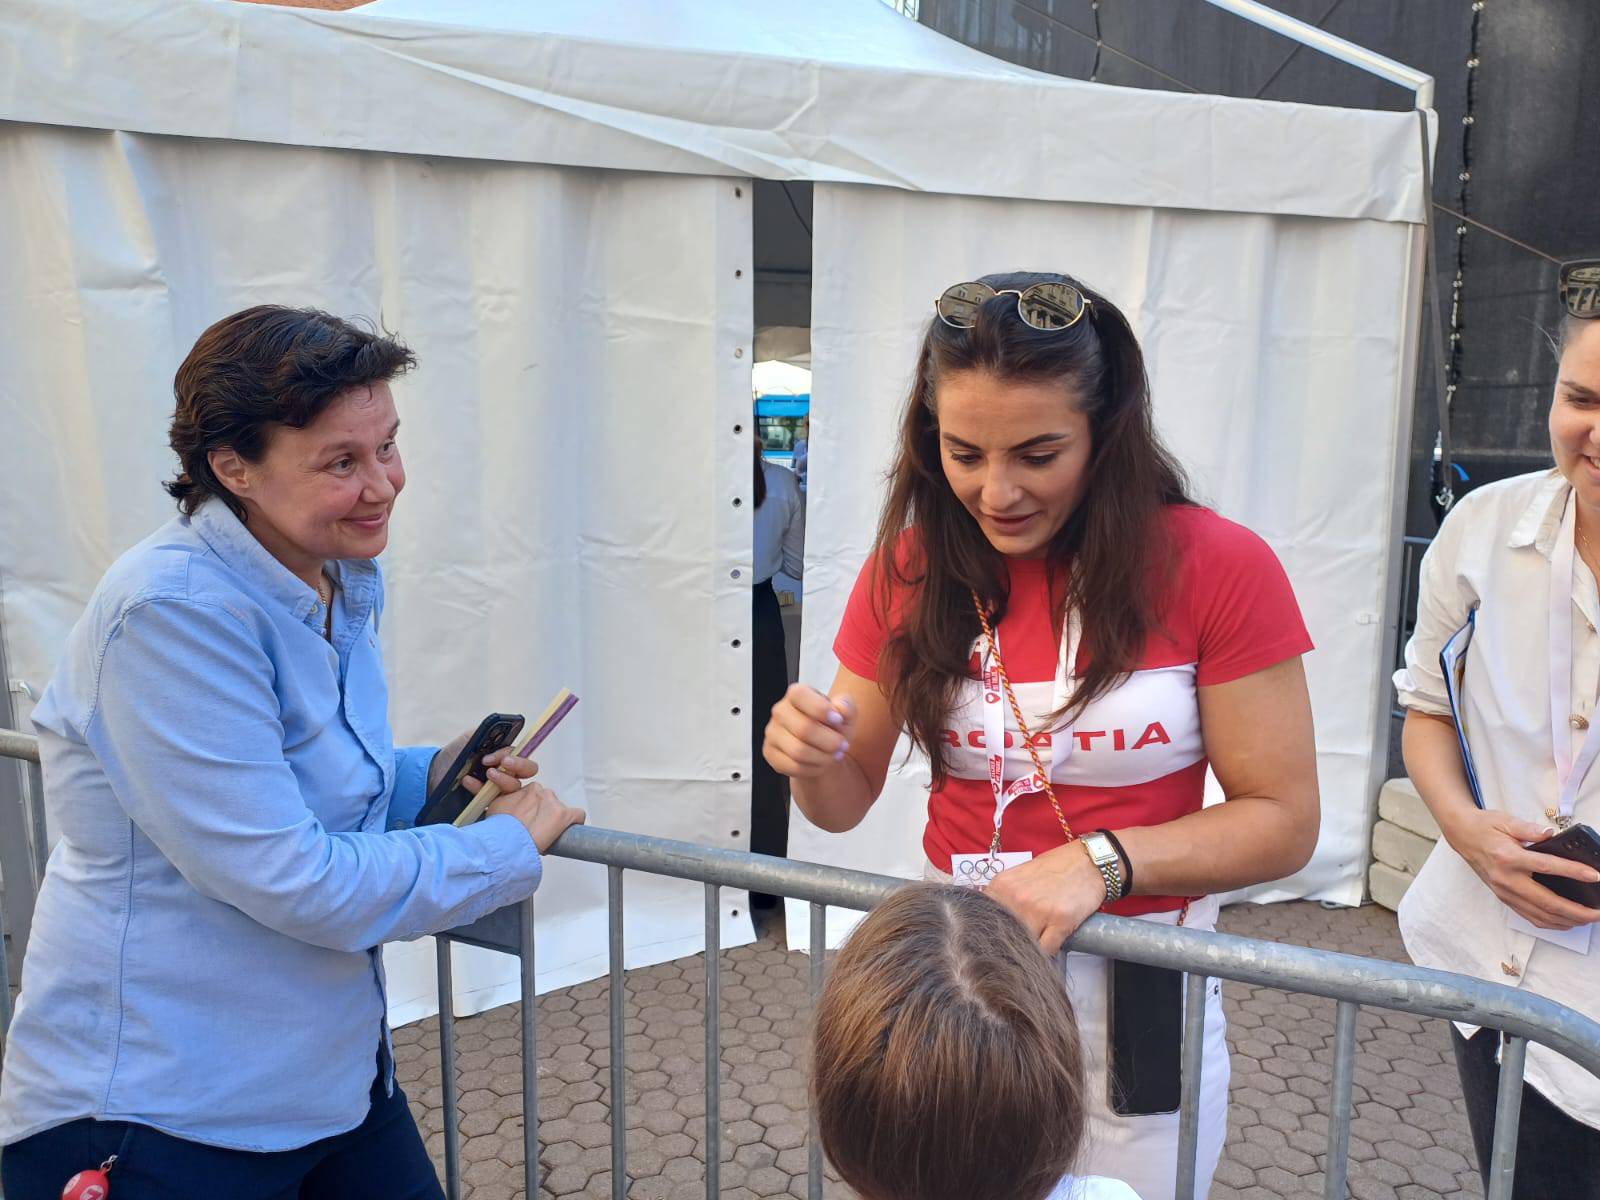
1127	864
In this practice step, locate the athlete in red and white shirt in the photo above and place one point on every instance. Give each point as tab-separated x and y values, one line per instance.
1029	484
1135	756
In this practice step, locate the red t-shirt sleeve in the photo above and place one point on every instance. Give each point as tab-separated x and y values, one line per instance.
1245	613
864	628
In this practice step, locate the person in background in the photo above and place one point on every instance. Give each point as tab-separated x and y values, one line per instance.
946	1062
202	1004
780	536
1071	641
1519	559
802	451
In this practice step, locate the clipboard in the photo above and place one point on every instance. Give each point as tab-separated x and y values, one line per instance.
1453	662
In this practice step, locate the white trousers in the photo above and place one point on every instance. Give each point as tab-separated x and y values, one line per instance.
1143	1151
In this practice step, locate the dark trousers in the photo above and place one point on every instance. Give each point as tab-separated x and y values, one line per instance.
769	670
381	1159
1556	1156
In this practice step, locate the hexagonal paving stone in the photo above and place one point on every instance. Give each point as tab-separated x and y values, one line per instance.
1408	1135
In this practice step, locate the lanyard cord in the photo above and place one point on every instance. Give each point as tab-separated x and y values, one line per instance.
1016	712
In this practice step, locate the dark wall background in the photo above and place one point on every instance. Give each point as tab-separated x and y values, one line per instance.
1533	146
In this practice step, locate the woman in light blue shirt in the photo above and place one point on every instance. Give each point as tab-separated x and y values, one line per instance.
203	994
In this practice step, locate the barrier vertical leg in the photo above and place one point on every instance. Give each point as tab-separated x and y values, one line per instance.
619	1076
1337	1167
713	1042
1194	1044
530	1059
41	836
819	949
1507	1117
447	1071
5	983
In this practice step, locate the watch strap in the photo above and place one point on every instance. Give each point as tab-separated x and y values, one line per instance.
1127	863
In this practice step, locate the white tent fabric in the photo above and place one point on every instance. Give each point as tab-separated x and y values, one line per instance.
550	535
839	90
545	198
1279	358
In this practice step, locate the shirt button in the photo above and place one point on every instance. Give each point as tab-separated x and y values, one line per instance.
1578	721
1510	968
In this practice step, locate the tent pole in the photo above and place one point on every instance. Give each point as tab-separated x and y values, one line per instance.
1345	51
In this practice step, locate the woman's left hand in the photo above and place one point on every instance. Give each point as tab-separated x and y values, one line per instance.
505	768
1052	894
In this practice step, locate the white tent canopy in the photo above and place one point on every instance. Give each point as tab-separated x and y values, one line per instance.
842	91
551	203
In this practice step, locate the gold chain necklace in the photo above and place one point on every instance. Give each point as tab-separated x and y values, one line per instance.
1022	726
326	599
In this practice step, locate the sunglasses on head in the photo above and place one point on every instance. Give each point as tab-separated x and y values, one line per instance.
1579	287
1044	306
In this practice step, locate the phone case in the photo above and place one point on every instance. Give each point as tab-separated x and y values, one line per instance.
1581	844
445	802
1144	1038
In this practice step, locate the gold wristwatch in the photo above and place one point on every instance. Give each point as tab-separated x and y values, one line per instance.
1106	860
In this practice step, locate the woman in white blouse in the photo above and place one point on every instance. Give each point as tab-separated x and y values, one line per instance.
1520	558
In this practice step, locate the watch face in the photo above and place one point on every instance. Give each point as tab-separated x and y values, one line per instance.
1099	848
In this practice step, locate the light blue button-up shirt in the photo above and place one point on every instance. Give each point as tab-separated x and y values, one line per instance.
204	956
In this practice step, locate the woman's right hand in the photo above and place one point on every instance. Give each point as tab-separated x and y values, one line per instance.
1492	843
809	732
541	813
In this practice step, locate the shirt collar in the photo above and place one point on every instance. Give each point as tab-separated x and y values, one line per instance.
1541	520
236	546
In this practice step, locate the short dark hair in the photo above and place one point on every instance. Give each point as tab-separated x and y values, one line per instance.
258	369
946	1061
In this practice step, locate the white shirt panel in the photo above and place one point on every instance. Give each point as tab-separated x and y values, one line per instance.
1145	729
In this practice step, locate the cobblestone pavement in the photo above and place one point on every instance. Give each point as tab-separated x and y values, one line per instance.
1408	1138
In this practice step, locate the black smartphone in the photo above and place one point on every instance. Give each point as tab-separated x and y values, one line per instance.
1581	844
445	801
1144	1039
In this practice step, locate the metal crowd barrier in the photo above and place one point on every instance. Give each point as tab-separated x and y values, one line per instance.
1346	978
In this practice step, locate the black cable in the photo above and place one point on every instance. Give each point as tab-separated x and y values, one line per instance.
1463	205
1099	43
804	224
1188	87
1089	37
1502	235
1298	46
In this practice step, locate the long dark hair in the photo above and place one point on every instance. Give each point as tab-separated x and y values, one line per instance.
759	494
1114	541
946	1062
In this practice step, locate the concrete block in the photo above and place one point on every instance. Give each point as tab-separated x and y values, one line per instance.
1399	848
1388	885
1399	804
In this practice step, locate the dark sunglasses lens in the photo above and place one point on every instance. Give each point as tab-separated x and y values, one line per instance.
1580	288
1051	305
960	304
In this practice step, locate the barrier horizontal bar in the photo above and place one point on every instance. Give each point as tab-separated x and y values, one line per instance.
19	745
1397	986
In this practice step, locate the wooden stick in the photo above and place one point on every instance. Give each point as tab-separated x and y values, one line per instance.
558	708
